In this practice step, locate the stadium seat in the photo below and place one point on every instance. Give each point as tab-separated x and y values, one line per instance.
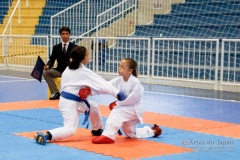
43	26
196	19
4	6
58	83
209	7
217	19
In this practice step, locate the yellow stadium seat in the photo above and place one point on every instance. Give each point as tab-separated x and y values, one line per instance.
58	83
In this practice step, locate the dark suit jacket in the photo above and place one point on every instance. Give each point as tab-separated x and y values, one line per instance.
62	59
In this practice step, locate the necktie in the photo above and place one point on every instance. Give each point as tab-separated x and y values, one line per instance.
64	49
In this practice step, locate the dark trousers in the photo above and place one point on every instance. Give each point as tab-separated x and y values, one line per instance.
49	76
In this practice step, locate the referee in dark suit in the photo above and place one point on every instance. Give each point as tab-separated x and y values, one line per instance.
61	53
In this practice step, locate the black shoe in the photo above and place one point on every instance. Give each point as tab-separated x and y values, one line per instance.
55	96
97	132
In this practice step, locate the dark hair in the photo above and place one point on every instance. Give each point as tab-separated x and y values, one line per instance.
64	28
132	65
77	54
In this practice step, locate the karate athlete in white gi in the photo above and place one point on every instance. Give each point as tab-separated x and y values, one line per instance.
74	92
127	113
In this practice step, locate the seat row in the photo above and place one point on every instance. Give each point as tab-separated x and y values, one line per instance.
196	19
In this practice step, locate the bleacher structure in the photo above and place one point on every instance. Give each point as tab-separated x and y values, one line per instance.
196	19
190	43
4	7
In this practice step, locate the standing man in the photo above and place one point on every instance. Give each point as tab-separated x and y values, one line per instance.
61	53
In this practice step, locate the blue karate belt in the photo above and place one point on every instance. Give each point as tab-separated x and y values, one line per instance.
78	99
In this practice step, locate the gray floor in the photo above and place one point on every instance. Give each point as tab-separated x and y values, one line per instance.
225	95
15	73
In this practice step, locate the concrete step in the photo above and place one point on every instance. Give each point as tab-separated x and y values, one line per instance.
19	29
29	16
24	20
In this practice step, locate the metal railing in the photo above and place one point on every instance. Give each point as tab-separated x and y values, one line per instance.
116	12
200	63
194	60
9	23
22	51
16	10
230	62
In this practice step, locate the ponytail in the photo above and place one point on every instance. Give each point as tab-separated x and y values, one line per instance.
132	65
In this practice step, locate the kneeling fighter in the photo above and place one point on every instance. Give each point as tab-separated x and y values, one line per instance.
128	113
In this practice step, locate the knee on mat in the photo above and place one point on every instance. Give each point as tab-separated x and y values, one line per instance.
128	132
